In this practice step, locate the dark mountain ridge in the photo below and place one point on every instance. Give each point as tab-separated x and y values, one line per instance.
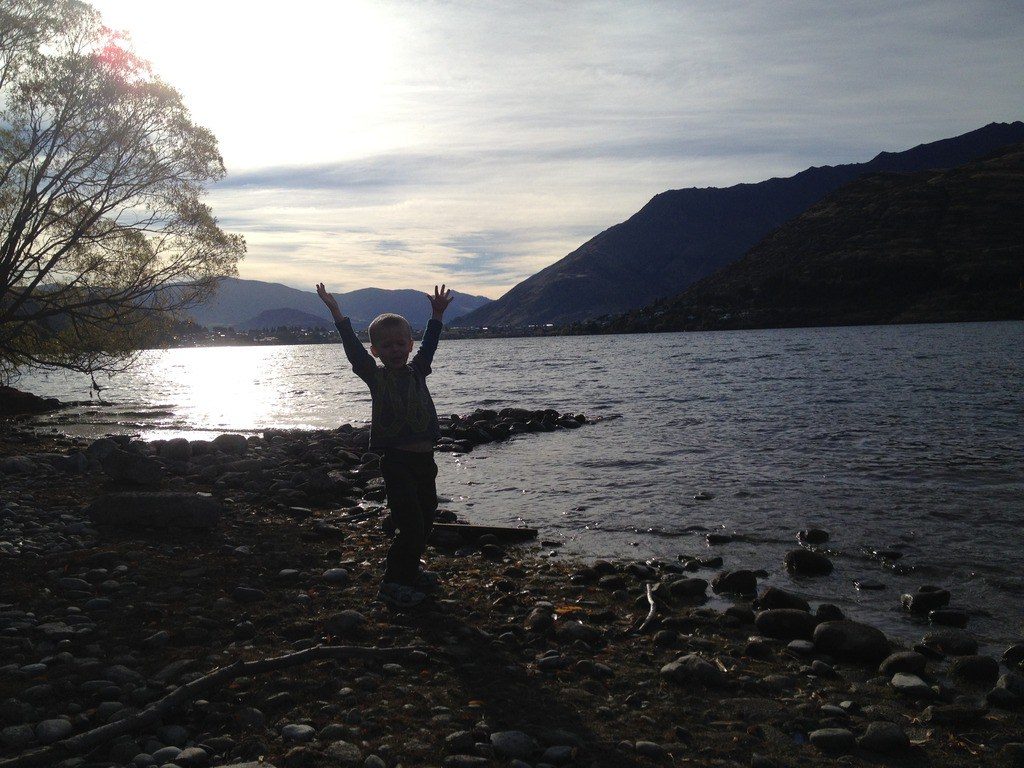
932	246
683	235
245	304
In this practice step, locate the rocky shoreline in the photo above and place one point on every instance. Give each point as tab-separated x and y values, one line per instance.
123	644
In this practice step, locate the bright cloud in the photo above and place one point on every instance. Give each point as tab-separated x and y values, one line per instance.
398	144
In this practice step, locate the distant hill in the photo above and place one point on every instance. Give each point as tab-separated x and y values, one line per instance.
932	246
243	304
684	235
290	318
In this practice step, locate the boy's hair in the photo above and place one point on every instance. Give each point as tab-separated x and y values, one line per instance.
385	321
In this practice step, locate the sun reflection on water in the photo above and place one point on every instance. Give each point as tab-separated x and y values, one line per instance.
229	388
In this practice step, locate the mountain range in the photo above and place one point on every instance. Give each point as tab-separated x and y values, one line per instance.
888	248
684	235
254	305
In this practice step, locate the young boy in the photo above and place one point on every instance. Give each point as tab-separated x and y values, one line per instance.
403	430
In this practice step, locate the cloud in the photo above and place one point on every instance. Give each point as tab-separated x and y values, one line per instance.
486	141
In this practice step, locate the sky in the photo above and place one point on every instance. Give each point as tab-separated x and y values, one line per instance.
403	144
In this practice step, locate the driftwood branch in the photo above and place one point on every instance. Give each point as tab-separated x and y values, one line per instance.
88	740
652	614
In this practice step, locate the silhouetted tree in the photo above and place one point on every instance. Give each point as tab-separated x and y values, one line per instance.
103	237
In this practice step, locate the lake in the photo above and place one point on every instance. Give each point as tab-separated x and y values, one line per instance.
889	437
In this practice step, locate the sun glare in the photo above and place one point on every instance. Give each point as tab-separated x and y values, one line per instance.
289	83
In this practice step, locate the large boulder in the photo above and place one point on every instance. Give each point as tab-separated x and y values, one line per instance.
786	623
851	641
156	510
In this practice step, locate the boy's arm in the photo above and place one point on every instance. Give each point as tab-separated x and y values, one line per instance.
361	360
425	354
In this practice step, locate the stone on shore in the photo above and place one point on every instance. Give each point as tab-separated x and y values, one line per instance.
832	740
786	623
911	662
692	669
774	597
804	562
911	685
851	641
231	444
926	599
156	510
735	582
975	670
513	744
951	642
884	738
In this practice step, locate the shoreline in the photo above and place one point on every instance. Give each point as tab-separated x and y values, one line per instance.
521	657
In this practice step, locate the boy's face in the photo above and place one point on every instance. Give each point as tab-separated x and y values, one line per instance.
393	347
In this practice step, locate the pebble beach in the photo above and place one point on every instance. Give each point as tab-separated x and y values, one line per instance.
211	603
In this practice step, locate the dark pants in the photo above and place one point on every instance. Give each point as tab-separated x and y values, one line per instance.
409	477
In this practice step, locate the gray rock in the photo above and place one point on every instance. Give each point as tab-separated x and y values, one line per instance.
804	562
298	733
903	661
774	597
335	576
832	740
851	641
192	757
510	744
346	622
17	736
176	449
911	685
576	630
692	669
951	642
231	444
539	620
925	599
884	738
975	670
460	742
651	750
50	731
786	623
374	761
735	582
173	734
558	755
687	588
344	753
156	510
166	755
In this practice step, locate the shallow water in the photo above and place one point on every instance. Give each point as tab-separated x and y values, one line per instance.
905	437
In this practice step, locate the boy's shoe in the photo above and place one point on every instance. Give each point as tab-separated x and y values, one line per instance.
400	595
426	581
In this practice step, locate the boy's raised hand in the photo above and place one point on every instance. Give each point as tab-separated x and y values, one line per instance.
439	301
330	301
